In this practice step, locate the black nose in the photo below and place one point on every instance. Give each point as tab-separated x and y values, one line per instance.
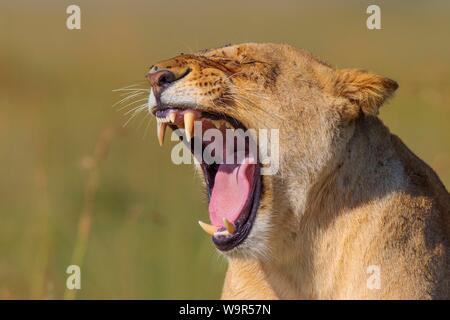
160	79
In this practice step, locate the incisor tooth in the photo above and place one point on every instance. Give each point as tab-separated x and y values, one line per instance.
209	229
189	118
172	117
161	130
223	233
229	226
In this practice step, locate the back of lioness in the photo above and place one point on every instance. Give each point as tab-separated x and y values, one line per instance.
391	240
423	216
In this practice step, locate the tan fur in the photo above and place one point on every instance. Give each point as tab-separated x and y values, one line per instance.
348	195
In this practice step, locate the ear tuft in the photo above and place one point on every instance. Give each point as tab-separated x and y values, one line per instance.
365	89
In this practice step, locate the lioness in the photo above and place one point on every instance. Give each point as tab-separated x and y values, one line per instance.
351	213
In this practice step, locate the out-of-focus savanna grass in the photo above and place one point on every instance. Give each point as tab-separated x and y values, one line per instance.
65	156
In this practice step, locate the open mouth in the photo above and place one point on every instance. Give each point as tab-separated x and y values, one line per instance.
233	180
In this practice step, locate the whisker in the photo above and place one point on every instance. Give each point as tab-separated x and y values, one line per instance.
136	107
132	85
131	97
130	93
131	104
146	117
136	112
128	97
117	90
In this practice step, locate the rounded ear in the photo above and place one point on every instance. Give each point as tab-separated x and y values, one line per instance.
366	90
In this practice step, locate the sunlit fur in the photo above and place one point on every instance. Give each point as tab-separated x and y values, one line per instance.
348	194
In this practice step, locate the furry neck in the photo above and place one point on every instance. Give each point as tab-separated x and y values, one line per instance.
366	168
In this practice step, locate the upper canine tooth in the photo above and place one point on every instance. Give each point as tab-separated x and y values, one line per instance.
160	131
189	118
229	226
172	116
209	229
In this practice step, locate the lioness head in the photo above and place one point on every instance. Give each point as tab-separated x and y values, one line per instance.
262	86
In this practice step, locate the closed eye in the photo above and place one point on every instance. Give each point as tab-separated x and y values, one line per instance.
252	62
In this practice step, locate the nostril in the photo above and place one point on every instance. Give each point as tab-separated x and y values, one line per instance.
161	78
166	78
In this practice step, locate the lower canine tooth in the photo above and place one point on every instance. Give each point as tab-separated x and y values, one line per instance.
189	118
160	132
209	229
229	226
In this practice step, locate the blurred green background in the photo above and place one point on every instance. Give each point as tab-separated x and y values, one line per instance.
77	187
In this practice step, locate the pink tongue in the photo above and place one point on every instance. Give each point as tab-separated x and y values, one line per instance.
232	187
